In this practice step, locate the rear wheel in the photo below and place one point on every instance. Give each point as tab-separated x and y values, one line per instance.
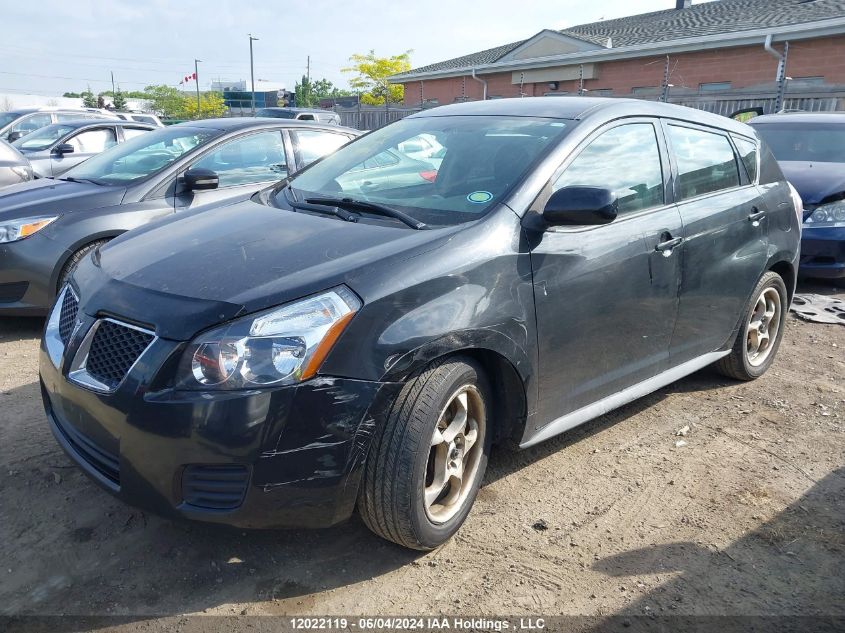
762	330
427	461
74	260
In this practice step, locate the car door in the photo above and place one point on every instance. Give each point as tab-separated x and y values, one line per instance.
86	143
243	165
726	241
309	145
30	123
606	296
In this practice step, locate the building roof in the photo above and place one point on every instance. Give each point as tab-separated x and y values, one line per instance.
671	25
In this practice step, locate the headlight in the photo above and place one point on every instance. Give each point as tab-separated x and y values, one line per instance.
831	214
277	347
15	230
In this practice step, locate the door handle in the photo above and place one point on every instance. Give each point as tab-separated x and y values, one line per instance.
666	246
756	216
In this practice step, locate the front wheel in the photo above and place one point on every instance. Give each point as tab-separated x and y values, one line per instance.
428	459
761	331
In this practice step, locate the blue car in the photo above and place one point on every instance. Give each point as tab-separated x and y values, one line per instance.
810	148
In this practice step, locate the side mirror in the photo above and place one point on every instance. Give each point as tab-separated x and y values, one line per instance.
14	136
64	148
579	205
199	179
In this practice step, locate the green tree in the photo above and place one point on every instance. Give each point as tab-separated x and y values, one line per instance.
166	101
304	91
371	74
211	105
72	95
89	99
118	100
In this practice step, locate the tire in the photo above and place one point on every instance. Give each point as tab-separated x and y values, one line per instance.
73	262
744	363
404	462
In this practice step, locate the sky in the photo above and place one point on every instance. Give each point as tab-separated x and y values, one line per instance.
53	46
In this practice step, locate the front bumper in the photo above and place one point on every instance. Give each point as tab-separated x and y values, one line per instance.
293	455
823	252
27	275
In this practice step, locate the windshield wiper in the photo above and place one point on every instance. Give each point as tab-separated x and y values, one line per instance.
71	179
360	205
329	210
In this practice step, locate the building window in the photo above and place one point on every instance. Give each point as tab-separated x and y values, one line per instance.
644	90
600	92
559	93
715	86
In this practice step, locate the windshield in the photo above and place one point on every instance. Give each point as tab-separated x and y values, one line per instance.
276	114
805	142
141	156
439	170
8	117
44	137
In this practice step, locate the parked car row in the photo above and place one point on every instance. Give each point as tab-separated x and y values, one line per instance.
289	323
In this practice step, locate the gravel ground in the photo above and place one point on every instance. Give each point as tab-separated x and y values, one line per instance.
748	517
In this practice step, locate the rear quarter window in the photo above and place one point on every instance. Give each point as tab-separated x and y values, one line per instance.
748	154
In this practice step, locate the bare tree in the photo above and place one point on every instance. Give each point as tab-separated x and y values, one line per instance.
6	105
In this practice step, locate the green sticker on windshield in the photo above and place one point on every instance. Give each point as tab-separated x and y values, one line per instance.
480	197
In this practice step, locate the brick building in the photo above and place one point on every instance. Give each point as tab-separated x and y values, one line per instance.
710	49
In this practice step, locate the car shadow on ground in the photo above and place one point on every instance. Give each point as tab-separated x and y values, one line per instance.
792	564
20	328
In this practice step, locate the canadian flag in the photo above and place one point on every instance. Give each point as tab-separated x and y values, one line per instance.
188	78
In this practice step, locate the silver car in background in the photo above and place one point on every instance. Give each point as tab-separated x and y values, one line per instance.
18	123
54	149
14	167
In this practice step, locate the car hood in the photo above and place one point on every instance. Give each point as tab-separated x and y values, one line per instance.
815	181
184	275
45	195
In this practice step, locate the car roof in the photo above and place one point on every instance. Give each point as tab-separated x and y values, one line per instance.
580	108
800	117
286	109
245	123
80	123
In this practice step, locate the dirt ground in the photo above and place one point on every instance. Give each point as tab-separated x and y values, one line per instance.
615	517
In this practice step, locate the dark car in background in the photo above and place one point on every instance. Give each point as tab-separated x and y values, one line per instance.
47	226
14	167
300	114
810	148
18	123
54	149
319	346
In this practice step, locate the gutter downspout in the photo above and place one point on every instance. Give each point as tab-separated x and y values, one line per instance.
483	83
781	74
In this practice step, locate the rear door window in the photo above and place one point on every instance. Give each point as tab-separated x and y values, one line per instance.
310	145
31	123
705	161
626	160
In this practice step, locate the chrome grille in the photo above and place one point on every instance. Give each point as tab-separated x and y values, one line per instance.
114	349
67	318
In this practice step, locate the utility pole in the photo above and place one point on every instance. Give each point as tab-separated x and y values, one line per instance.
197	79
308	69
307	88
113	93
252	71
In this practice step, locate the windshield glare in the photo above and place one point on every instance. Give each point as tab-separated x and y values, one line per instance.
805	142
440	170
43	138
141	156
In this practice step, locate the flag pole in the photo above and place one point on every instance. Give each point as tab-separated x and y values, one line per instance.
197	79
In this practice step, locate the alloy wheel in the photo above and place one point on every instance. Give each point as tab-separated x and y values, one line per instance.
763	325
456	448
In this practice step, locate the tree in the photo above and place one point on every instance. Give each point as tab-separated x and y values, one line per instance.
89	100
118	100
211	105
72	95
304	92
166	101
372	73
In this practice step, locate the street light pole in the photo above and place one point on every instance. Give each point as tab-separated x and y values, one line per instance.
197	79
252	71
